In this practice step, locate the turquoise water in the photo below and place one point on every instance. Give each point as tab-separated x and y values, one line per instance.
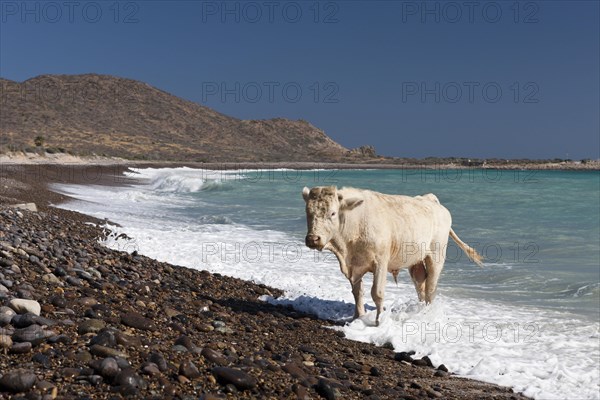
538	230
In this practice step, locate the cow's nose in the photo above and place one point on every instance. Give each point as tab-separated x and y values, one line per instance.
312	240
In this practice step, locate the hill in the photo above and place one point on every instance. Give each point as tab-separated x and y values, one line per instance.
106	115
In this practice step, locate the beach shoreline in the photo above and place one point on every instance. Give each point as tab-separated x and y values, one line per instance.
382	163
168	331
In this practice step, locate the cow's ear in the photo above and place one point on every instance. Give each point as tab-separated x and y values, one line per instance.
351	203
305	193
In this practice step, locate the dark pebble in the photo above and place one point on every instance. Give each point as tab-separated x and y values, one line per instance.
127	340
179	348
90	326
238	378
186	342
23	320
17	381
6	263
351	365
83	356
189	370
122	363
420	363
89	313
294	370
177	327
104	351
58	301
33	334
101	308
442	367
109	368
149	368
129	382
328	389
64	339
71	280
307	349
427	361
41	359
106	338
403	356
20	348
388	346
214	356
159	360
138	321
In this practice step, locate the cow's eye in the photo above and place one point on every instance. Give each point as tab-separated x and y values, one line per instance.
333	214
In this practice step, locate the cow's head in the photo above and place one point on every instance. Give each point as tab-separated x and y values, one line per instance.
325	206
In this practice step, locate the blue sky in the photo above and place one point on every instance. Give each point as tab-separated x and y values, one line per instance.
442	78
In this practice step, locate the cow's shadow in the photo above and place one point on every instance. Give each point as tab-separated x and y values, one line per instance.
335	311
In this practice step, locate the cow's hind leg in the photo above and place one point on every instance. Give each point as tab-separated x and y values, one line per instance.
434	268
419	275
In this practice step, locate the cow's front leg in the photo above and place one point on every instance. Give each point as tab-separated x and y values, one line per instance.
357	291
378	289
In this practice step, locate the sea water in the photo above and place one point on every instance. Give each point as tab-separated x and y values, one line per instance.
528	319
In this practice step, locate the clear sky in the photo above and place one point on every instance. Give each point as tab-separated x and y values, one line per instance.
415	79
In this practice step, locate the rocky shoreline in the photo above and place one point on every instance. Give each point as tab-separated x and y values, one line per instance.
78	320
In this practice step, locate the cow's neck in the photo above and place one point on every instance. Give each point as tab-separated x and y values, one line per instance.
348	232
338	245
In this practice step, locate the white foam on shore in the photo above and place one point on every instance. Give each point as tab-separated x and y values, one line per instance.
544	354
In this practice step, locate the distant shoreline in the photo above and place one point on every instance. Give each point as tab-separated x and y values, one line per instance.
70	160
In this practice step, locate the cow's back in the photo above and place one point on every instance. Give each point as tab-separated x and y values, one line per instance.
397	223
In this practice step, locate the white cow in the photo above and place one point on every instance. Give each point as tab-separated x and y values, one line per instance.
380	233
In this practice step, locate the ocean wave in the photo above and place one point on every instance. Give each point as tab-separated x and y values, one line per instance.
214	219
181	180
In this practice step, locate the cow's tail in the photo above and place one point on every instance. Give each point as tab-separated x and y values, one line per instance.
471	252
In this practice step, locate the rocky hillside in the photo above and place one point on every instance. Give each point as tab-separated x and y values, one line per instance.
99	114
